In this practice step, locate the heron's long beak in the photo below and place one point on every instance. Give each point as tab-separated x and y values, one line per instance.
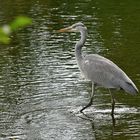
68	29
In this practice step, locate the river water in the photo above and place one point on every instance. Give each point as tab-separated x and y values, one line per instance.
41	89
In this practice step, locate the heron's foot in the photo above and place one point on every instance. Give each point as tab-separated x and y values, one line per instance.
112	113
113	107
88	105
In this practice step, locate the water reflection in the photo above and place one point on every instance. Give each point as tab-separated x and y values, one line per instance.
41	90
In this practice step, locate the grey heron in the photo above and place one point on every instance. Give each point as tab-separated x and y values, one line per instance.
98	69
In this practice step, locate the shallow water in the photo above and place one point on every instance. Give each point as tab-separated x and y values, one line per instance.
41	89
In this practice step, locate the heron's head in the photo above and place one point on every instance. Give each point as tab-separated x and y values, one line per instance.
77	27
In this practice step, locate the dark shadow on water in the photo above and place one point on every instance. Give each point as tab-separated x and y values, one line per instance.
92	120
113	125
113	120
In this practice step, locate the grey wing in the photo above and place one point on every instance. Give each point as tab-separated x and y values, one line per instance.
104	72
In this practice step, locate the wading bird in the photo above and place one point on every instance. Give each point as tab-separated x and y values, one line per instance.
98	69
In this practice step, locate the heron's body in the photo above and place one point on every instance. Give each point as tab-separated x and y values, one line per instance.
105	73
100	70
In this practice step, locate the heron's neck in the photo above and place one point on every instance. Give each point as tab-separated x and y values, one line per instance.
80	44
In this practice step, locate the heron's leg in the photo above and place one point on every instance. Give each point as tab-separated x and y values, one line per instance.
112	102
91	98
